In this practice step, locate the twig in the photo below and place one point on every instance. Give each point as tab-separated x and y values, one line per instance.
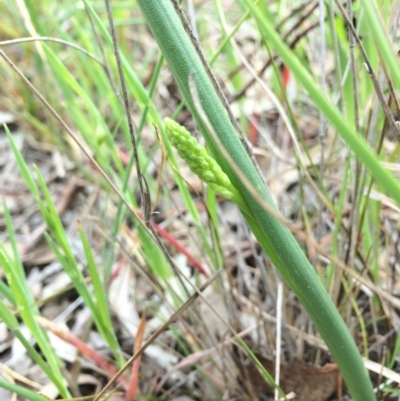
126	105
322	119
49	39
292	44
356	194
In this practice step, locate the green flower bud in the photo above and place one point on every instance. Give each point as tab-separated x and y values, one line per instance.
203	165
197	158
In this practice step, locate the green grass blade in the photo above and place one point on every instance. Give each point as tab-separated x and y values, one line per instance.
27	309
99	291
23	392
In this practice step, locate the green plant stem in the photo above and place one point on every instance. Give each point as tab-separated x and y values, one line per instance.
275	238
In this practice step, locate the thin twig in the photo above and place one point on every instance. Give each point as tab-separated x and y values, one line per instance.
356	194
285	37
293	12
49	39
322	119
126	101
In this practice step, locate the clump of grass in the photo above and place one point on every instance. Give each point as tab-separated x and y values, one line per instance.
91	104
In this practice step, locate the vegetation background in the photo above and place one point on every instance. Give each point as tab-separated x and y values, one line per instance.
85	284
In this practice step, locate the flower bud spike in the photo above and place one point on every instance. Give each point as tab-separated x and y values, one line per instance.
201	163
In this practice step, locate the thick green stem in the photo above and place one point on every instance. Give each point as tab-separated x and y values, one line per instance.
276	239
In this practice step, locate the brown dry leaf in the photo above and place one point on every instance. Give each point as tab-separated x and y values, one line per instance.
309	383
